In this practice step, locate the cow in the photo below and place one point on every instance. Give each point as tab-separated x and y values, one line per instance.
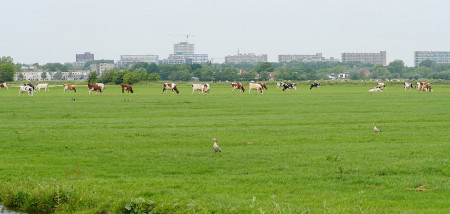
206	88
289	86
69	87
407	85
280	84
255	86
170	86
94	87
26	88
31	85
44	86
424	86
101	85
237	86
263	85
3	85
375	89
314	85
381	85
200	87
127	87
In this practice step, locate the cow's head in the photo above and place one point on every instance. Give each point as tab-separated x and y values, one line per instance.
74	90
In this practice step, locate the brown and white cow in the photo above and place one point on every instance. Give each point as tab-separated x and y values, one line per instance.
381	85
69	87
206	88
94	87
255	86
237	86
127	87
170	86
424	86
263	85
3	85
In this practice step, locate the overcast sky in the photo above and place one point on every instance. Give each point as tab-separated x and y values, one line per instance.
45	31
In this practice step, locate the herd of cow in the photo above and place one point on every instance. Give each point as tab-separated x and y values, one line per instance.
421	86
205	88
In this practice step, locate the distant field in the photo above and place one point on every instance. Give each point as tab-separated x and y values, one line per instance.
312	151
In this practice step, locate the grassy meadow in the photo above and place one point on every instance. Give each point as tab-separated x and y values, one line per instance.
303	151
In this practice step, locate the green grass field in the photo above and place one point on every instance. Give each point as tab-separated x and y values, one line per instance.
312	151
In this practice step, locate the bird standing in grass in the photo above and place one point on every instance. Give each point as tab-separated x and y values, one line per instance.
375	128
215	146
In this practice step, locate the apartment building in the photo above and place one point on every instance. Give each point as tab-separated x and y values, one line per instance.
435	56
372	58
248	58
126	60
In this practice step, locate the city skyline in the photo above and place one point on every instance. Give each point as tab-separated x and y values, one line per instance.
51	31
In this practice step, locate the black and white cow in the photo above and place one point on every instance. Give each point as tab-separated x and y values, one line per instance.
314	85
31	85
289	86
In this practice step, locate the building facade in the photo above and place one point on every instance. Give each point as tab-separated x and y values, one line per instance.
126	60
183	48
435	56
101	67
86	57
248	58
372	58
184	53
305	58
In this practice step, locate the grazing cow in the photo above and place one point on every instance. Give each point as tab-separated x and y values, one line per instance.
96	88
3	85
238	86
280	84
200	87
170	86
255	86
101	85
69	87
424	86
26	88
263	85
407	85
206	88
31	85
289	86
381	85
375	89
314	85
127	87
44	86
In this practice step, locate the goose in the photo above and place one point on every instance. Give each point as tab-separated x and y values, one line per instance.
215	146
375	128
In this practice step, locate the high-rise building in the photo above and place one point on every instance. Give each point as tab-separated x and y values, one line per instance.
86	57
183	48
372	58
184	53
435	56
249	58
101	67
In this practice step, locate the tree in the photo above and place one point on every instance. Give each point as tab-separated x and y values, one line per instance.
6	72
264	76
396	67
152	68
92	77
153	77
57	75
265	66
20	76
427	63
182	75
130	78
6	60
70	75
44	75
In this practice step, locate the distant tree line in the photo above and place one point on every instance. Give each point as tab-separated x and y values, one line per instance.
230	71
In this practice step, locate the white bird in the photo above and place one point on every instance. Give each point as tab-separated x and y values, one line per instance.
375	128
215	146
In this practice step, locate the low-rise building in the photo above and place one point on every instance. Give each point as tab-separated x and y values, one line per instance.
127	60
372	58
101	67
248	58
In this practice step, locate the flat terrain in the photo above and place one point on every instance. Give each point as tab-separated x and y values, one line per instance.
311	150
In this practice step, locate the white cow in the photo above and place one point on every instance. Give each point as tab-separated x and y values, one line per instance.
26	88
200	87
44	86
255	86
407	85
101	85
375	89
